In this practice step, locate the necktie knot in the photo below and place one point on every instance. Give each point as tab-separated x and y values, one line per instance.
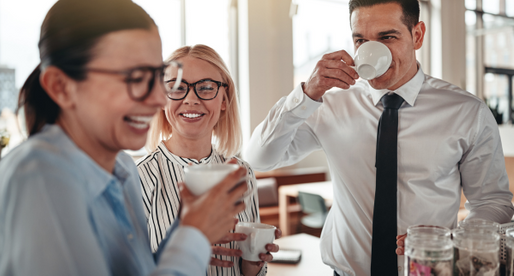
392	101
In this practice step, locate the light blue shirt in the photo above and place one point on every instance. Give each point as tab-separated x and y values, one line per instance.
62	214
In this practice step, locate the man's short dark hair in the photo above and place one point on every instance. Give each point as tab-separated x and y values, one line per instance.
410	9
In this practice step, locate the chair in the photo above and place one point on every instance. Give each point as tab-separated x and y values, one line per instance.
314	206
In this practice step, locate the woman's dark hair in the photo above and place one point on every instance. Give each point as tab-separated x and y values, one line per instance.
410	9
69	33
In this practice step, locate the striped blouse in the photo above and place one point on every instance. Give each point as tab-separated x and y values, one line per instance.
160	171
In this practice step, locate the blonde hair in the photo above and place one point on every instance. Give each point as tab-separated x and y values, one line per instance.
227	131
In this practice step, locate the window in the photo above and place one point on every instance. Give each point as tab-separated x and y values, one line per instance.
423	54
471	4
319	27
490	53
19	35
471	52
206	22
491	6
167	16
19	55
509	7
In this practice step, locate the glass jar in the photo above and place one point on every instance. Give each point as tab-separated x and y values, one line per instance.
476	252
479	224
428	230
428	251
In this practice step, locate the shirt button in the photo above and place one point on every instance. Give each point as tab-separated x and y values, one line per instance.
400	268
296	100
304	107
130	237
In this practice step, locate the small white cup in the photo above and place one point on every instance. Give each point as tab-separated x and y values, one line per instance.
259	234
201	178
372	59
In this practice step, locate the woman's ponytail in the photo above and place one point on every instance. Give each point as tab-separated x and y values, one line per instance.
38	107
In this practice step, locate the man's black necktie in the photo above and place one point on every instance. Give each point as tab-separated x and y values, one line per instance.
383	256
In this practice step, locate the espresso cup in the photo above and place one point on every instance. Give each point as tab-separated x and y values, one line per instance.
258	235
372	59
201	178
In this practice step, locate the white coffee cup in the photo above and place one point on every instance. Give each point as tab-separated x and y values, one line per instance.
258	235
201	178
372	59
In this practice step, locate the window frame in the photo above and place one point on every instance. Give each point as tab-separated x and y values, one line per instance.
481	67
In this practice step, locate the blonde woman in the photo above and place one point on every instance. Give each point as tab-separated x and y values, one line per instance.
204	109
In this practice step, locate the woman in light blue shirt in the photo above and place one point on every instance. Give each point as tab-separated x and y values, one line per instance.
70	200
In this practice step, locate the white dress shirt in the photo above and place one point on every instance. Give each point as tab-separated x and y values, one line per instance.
447	140
160	172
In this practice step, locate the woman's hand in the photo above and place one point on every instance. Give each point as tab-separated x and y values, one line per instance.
213	212
400	242
252	268
219	250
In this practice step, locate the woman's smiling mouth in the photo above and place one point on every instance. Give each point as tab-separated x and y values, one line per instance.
138	121
192	115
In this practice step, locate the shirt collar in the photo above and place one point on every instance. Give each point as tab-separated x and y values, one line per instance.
183	160
409	91
95	178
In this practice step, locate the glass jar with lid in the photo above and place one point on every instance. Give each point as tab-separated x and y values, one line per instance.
428	251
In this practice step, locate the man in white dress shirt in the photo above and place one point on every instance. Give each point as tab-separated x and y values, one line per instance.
448	140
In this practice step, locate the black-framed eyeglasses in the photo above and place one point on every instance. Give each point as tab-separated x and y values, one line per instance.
205	89
141	80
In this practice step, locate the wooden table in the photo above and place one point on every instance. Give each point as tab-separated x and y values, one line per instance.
323	189
310	263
